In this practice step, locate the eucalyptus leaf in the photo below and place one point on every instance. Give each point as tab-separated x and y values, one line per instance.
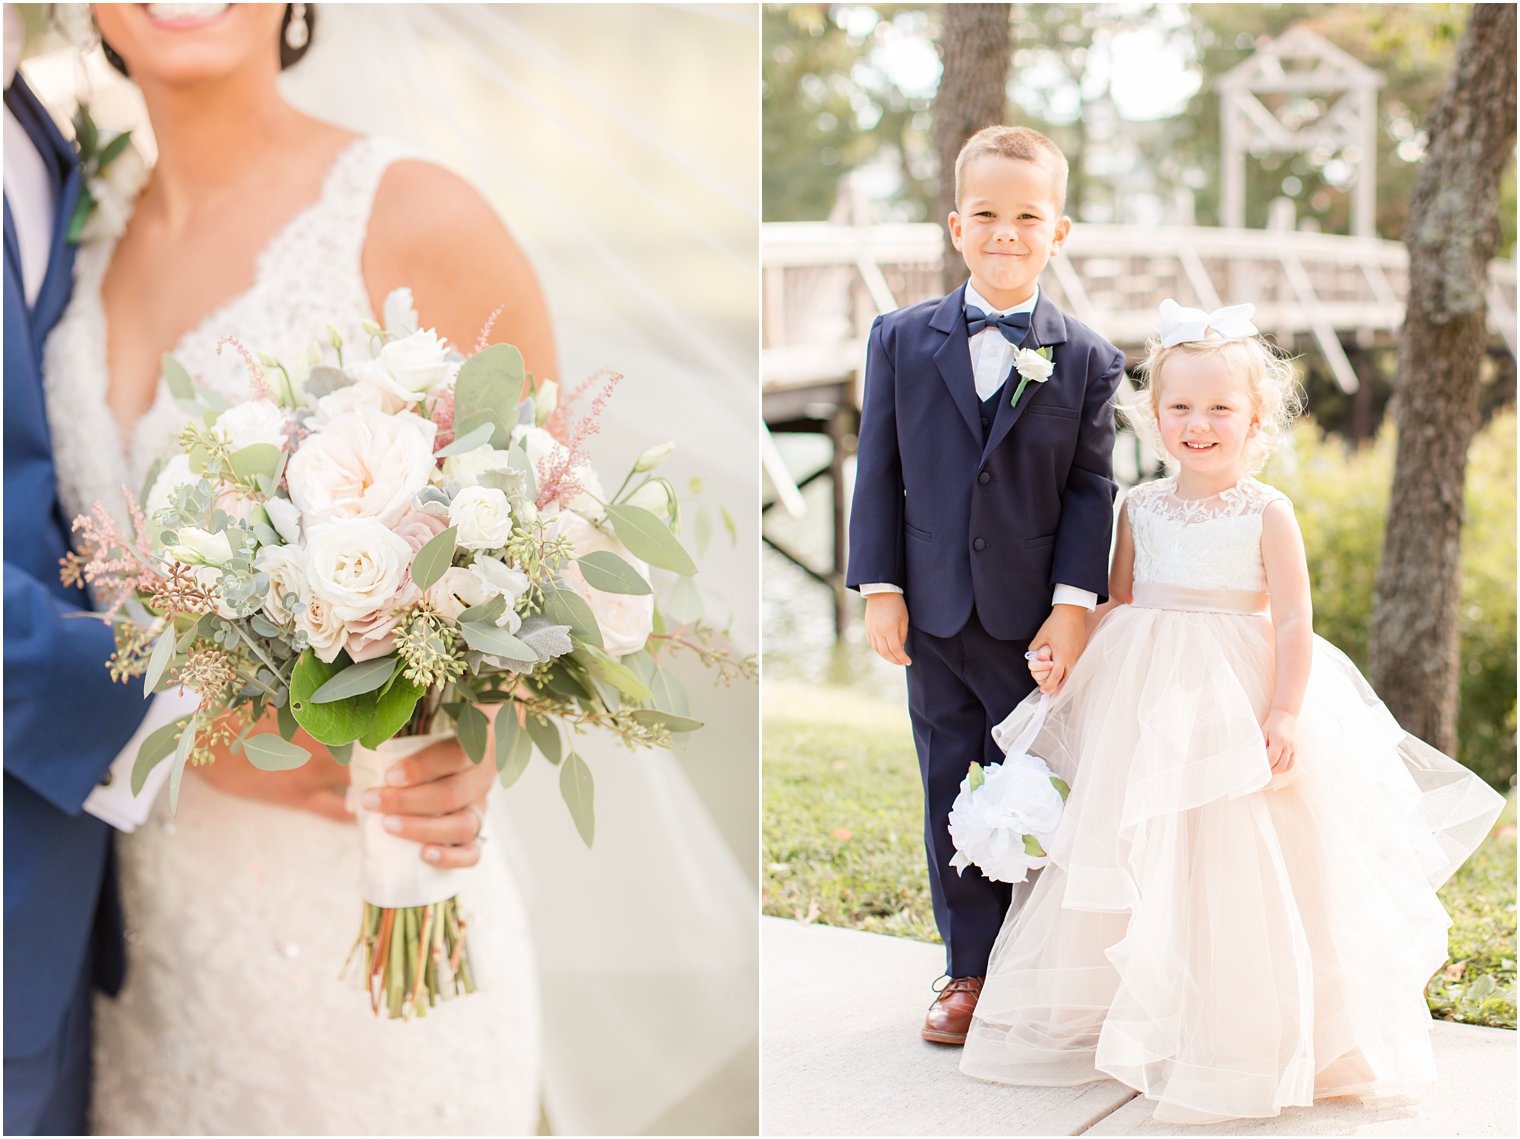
496	642
434	559
266	534
701	530
489	385
603	667
154	750
263	626
474	729
181	386
486	612
514	749
520	462
254	460
669	695
393	708
477	436
268	752
682	603
668	719
650	539
341	753
546	738
576	788
159	660
285	721
356	679
182	752
604	570
566	607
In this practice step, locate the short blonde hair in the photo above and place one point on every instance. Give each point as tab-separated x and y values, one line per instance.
1021	143
1270	378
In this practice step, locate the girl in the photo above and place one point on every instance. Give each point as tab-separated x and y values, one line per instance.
1240	911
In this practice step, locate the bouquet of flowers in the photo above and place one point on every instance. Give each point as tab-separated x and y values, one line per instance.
1006	813
385	548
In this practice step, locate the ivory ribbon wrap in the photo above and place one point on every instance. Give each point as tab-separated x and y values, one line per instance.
392	872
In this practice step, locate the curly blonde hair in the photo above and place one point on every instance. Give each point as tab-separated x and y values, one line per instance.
1270	378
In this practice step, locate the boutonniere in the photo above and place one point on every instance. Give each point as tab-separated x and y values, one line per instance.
1031	364
112	171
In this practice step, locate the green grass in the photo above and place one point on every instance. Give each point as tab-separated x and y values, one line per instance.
844	845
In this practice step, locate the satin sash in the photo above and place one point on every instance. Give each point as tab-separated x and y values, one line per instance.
1154	595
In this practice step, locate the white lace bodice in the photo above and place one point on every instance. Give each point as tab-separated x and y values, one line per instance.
239	913
308	276
1209	543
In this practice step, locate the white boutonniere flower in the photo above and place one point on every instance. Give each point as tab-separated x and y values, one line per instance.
114	173
1031	364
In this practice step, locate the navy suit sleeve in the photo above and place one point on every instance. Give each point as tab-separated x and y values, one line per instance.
876	511
1087	502
65	718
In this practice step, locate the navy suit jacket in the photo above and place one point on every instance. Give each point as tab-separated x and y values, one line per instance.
958	522
65	720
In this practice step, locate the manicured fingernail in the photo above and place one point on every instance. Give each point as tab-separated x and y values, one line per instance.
432	854
392	824
396	776
370	800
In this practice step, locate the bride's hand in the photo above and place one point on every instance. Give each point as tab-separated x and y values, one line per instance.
437	798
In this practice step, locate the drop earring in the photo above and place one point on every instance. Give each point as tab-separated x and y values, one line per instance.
297	32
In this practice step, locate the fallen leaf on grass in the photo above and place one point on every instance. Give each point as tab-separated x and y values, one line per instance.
812	913
842	833
1454	972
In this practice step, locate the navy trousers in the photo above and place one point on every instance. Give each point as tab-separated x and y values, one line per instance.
48	1092
958	688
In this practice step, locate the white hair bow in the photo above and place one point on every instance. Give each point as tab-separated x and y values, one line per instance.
1180	325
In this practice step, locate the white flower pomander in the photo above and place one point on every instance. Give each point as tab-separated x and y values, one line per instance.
626	619
467	468
286	569
362	465
484	517
356	565
246	424
1030	365
988	825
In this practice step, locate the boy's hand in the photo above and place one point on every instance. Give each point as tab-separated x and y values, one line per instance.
1065	634
887	626
1281	731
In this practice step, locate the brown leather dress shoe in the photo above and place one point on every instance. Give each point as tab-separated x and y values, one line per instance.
950	1015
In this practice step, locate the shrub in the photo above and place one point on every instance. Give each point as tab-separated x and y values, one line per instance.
1341	498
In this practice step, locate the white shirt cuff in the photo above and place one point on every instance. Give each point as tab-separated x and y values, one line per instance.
879	587
111	801
1071	595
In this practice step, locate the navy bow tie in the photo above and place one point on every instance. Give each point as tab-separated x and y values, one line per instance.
1012	325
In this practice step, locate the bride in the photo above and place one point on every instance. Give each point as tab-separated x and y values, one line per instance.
261	222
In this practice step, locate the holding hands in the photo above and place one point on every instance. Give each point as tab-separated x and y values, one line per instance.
1057	646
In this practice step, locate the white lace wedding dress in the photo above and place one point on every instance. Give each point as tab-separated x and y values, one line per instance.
239	914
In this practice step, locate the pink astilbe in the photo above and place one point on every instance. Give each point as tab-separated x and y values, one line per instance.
113	565
255	373
440	409
483	341
556	472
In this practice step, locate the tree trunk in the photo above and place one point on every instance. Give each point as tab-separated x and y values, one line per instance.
975	46
1453	229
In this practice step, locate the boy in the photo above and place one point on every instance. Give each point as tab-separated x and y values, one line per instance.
983	505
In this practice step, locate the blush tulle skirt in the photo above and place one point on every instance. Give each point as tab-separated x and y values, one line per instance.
1227	942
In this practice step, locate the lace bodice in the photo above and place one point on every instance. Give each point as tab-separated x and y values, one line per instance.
1209	543
306	277
240	913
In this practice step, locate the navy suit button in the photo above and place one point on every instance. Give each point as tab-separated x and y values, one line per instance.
984	478
979	544
105	780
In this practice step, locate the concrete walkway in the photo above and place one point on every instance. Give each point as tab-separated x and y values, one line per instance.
841	1056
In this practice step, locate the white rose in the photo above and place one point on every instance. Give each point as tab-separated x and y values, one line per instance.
587	502
175	474
467	468
537	442
398	313
197	547
501	580
626	620
257	421
361	465
285	519
653	497
412	366
114	192
286	568
358	396
324	632
1031	365
484	518
457	590
356	565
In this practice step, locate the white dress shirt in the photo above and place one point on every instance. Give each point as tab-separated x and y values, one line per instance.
991	357
29	191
